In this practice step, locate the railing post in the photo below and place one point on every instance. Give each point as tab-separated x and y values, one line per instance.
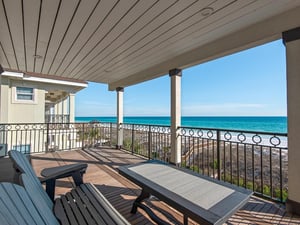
219	154
280	174
110	133
47	138
149	142
83	136
132	139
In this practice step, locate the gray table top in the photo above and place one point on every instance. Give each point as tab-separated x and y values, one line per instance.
202	197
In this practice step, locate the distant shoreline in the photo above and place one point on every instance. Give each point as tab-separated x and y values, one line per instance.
276	124
88	117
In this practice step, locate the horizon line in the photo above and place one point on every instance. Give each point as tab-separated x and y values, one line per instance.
192	116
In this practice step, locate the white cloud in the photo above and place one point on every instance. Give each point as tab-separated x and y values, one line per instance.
95	108
147	111
98	108
227	109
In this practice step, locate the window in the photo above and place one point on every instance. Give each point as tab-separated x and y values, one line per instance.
25	93
22	148
3	150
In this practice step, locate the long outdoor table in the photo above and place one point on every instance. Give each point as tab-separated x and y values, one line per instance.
203	199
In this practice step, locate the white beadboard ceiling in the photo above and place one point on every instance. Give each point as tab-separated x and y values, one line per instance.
124	42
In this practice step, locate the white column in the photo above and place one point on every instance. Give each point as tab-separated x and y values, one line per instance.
56	108
72	107
175	76
65	105
120	92
63	110
291	40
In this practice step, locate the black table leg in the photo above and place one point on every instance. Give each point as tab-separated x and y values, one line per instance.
185	220
138	200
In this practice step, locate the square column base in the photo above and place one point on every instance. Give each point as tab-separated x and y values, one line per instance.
292	207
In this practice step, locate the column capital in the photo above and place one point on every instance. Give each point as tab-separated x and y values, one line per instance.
175	72
120	89
291	35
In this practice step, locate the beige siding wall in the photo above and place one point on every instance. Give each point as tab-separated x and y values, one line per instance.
28	112
12	111
4	106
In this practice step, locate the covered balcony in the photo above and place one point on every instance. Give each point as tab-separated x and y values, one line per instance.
102	171
122	43
57	108
242	158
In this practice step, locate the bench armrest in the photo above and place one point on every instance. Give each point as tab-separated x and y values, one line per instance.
63	171
51	174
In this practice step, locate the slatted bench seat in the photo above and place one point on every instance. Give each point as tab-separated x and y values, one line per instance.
84	205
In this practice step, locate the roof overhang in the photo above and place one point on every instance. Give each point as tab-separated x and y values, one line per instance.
44	79
121	43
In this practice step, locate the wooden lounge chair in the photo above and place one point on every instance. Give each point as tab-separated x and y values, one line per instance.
16	207
22	165
31	205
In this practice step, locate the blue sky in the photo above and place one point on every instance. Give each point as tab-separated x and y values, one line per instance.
248	83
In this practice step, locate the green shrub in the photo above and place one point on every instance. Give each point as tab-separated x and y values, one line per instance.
267	190
214	164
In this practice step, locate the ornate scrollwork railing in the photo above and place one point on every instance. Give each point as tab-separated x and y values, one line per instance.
254	160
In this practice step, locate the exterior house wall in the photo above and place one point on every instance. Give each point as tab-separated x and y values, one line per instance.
12	111
26	112
35	135
4	108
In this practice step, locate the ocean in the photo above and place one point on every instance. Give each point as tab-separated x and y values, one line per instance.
274	124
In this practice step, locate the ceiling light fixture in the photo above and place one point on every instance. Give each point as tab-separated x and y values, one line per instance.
37	56
207	11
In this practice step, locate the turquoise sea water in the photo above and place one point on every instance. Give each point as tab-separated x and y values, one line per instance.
276	124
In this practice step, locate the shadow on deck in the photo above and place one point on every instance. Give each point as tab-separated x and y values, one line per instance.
102	171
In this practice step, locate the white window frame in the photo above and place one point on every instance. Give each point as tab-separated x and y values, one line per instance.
15	95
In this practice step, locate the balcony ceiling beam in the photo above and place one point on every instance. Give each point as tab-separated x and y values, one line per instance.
122	43
260	33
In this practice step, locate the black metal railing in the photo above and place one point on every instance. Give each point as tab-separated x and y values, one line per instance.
254	160
45	137
150	141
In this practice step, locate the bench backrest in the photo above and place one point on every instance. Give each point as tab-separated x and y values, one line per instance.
16	207
22	164
39	197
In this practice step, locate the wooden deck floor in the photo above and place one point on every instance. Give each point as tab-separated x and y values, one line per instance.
102	171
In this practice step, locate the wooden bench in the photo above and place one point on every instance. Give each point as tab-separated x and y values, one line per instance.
84	205
16	207
50	175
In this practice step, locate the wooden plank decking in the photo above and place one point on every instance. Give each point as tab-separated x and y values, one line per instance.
102	171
